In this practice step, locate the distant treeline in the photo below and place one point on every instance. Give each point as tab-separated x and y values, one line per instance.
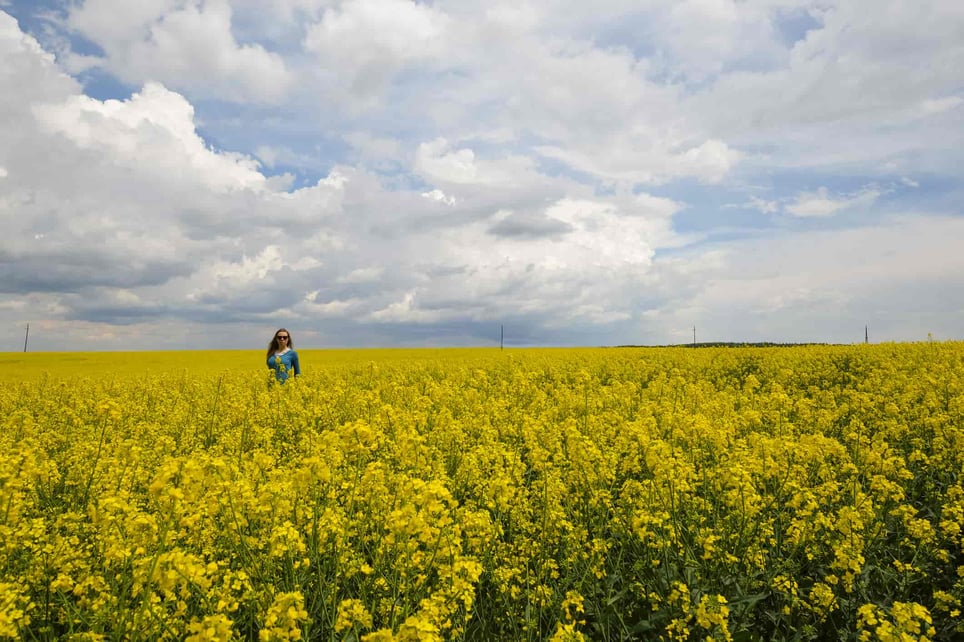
728	344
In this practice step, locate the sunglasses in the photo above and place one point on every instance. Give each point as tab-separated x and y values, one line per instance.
282	337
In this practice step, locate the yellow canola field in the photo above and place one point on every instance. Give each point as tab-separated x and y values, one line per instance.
805	493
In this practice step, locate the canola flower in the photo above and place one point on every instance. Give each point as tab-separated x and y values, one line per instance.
584	494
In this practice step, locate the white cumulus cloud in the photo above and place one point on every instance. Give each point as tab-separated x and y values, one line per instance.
187	45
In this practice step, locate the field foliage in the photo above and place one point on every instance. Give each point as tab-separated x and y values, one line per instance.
608	494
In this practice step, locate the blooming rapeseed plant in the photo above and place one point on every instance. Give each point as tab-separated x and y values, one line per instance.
605	494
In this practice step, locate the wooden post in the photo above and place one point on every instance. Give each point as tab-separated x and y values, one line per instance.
25	337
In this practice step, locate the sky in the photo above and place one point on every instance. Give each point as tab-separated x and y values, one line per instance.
185	174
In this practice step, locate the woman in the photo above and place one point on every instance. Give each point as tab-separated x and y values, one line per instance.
281	356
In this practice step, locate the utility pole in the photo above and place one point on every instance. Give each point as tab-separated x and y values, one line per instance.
502	337
25	337
866	340
694	336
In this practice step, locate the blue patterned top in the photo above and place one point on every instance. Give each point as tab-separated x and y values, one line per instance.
287	359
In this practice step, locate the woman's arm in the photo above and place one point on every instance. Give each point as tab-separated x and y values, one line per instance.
295	364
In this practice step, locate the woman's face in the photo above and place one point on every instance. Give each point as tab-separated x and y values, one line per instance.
283	339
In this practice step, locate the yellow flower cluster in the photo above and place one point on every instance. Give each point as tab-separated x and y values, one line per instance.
901	622
383	496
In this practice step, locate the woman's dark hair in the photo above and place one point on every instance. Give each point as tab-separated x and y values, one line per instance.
273	346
